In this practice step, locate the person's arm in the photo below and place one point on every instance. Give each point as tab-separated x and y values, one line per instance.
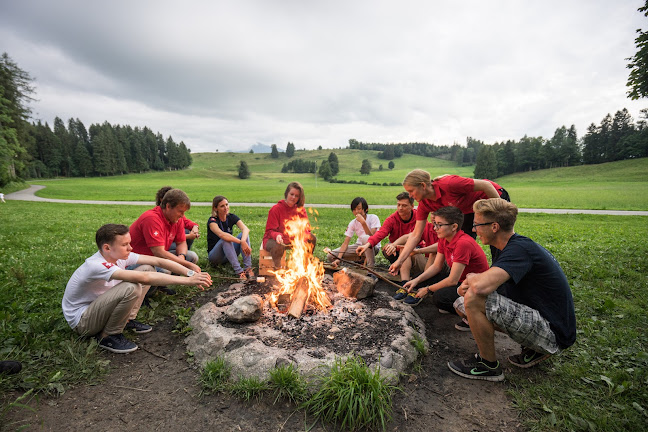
153	278
363	222
224	235
159	251
429	272
484	283
245	248
412	241
486	187
453	279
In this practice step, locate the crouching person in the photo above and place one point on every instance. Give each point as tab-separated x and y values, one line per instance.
537	310
102	298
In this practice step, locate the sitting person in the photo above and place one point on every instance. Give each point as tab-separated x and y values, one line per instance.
460	252
192	230
537	310
102	298
222	245
276	239
364	226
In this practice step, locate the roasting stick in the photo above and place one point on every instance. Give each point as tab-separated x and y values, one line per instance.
379	276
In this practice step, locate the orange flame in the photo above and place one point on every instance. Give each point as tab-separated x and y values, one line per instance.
302	263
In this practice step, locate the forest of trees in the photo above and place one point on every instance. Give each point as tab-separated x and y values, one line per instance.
35	150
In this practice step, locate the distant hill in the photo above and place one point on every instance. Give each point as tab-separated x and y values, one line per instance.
258	148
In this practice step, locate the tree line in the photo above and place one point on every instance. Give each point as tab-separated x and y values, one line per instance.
35	150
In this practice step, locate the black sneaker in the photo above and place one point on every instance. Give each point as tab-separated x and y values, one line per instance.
475	368
117	344
10	367
138	327
527	358
463	325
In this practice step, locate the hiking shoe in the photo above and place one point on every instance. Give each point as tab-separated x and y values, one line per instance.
527	358
475	368
166	290
412	300
400	294
117	344
463	325
10	367
138	327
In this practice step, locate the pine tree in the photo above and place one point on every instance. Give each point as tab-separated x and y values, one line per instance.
334	164
243	171
274	153
365	169
486	164
290	149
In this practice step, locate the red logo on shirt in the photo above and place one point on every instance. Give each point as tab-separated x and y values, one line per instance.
107	264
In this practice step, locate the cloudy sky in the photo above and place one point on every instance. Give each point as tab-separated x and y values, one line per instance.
225	75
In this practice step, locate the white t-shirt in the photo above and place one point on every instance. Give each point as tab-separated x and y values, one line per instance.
90	281
356	228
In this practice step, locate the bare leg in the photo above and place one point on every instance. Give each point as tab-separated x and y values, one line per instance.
483	330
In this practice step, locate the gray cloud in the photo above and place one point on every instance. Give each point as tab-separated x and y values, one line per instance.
225	75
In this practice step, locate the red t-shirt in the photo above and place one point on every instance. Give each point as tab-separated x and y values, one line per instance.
153	229
395	227
463	249
453	190
277	217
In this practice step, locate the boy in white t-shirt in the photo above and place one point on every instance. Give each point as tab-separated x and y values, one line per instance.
364	226
102	298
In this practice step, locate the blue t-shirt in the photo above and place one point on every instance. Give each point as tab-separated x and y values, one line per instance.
538	281
226	226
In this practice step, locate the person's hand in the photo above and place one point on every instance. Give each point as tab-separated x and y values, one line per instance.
395	268
201	279
245	248
410	285
361	249
195	231
336	263
280	240
422	292
390	249
192	266
359	218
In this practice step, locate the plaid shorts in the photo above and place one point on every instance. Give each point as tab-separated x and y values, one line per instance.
523	324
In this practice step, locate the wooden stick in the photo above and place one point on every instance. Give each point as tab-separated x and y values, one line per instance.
299	298
379	276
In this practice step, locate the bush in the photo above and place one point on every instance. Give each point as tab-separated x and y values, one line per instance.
288	384
215	375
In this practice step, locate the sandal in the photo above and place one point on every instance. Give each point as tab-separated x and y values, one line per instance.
249	273
242	276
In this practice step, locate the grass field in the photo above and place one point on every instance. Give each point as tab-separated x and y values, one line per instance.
618	185
598	384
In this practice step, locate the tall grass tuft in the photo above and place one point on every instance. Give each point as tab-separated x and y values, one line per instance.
215	376
287	383
249	388
352	396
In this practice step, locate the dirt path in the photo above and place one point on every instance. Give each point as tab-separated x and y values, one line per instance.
29	194
156	389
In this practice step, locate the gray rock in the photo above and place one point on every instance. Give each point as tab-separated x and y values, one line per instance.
245	309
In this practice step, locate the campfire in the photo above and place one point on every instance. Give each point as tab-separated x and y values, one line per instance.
300	283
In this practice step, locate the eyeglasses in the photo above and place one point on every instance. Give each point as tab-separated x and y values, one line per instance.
438	225
485	223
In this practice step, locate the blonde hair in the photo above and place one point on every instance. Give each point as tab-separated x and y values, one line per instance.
497	210
416	177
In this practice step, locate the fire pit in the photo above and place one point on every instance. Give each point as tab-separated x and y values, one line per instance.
305	320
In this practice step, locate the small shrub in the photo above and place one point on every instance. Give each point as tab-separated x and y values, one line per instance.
352	396
215	375
419	345
288	384
182	317
249	388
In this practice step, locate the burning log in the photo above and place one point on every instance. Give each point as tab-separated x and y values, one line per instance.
299	298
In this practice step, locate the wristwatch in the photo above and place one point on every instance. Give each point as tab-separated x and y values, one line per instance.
190	273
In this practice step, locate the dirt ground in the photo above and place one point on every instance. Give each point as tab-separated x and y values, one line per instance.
156	389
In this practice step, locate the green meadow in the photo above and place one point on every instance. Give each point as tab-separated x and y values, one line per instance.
619	185
598	384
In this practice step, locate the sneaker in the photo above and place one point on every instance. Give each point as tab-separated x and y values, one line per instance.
475	368
412	300
10	367
463	325
138	327
443	311
400	294
527	358
117	344
167	290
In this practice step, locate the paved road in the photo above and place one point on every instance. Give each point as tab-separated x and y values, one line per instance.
30	195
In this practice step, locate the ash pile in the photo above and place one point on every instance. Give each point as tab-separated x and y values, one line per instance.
255	330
